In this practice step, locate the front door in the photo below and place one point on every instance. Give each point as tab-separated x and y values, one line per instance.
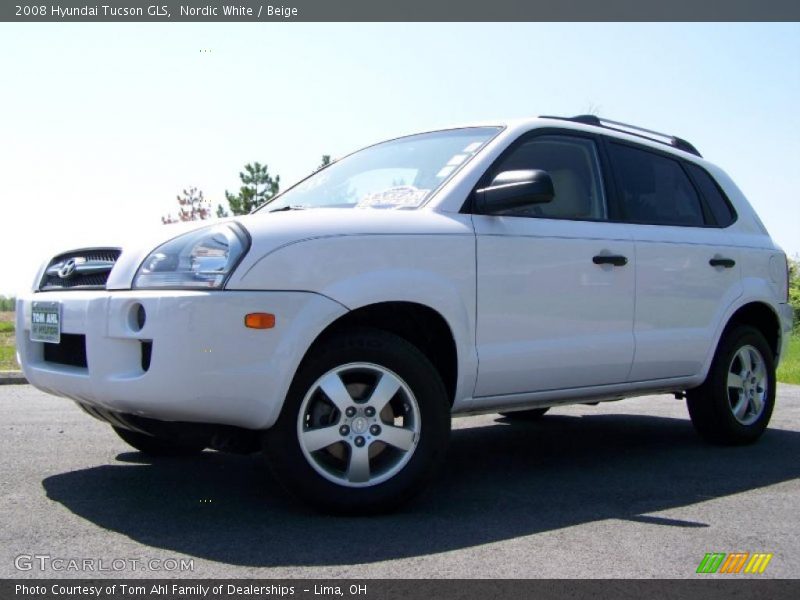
555	281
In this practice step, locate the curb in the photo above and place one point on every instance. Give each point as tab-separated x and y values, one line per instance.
12	378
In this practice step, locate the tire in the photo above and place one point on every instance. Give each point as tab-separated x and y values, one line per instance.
533	414
156	446
333	445
734	404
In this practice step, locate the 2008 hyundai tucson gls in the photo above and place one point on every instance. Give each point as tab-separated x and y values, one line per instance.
497	268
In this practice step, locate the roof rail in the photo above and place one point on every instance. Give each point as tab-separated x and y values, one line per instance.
649	134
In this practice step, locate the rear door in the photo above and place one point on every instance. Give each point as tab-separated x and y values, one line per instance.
553	311
687	274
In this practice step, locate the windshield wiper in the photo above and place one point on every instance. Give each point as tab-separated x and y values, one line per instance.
288	207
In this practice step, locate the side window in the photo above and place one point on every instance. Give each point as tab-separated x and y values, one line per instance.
574	167
717	202
655	189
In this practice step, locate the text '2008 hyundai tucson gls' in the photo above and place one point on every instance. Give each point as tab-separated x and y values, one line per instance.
494	268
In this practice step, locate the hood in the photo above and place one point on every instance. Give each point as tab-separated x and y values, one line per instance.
271	231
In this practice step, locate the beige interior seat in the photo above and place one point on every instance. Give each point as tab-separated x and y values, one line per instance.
571	199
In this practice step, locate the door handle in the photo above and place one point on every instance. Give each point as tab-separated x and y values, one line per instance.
728	263
610	259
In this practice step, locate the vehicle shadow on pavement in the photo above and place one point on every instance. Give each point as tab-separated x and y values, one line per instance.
501	481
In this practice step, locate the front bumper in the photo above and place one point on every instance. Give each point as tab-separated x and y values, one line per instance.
205	366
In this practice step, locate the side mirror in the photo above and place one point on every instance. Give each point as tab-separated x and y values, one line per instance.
515	189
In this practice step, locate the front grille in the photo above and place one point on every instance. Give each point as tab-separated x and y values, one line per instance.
79	269
71	350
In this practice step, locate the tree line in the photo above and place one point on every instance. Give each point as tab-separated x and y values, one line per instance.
257	187
7	303
794	290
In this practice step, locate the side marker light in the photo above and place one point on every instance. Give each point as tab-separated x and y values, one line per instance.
259	321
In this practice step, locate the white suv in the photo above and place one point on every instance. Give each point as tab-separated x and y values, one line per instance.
495	268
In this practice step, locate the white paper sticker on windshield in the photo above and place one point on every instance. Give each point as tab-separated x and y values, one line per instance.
445	171
403	196
473	147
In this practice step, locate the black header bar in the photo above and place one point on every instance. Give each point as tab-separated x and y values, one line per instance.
400	10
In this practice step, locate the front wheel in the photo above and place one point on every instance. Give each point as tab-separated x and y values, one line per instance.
734	404
364	427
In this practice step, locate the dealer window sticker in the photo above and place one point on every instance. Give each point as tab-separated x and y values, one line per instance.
402	196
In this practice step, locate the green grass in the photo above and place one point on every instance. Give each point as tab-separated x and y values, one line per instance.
789	371
8	357
8	353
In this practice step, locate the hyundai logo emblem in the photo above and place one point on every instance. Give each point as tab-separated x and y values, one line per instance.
68	269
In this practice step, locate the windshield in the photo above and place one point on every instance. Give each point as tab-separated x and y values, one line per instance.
400	174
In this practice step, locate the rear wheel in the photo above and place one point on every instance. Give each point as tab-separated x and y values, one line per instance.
734	404
364	427
156	446
533	414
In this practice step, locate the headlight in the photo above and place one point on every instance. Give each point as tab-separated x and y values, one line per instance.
201	259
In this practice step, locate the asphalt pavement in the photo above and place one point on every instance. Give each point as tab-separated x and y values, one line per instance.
623	489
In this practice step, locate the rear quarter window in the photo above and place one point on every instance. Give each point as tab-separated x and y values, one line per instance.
717	202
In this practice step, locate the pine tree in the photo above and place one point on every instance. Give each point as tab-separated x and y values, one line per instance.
258	186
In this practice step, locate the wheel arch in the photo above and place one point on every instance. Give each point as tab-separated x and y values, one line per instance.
419	324
755	312
761	316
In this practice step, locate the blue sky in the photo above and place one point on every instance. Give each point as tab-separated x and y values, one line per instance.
103	124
